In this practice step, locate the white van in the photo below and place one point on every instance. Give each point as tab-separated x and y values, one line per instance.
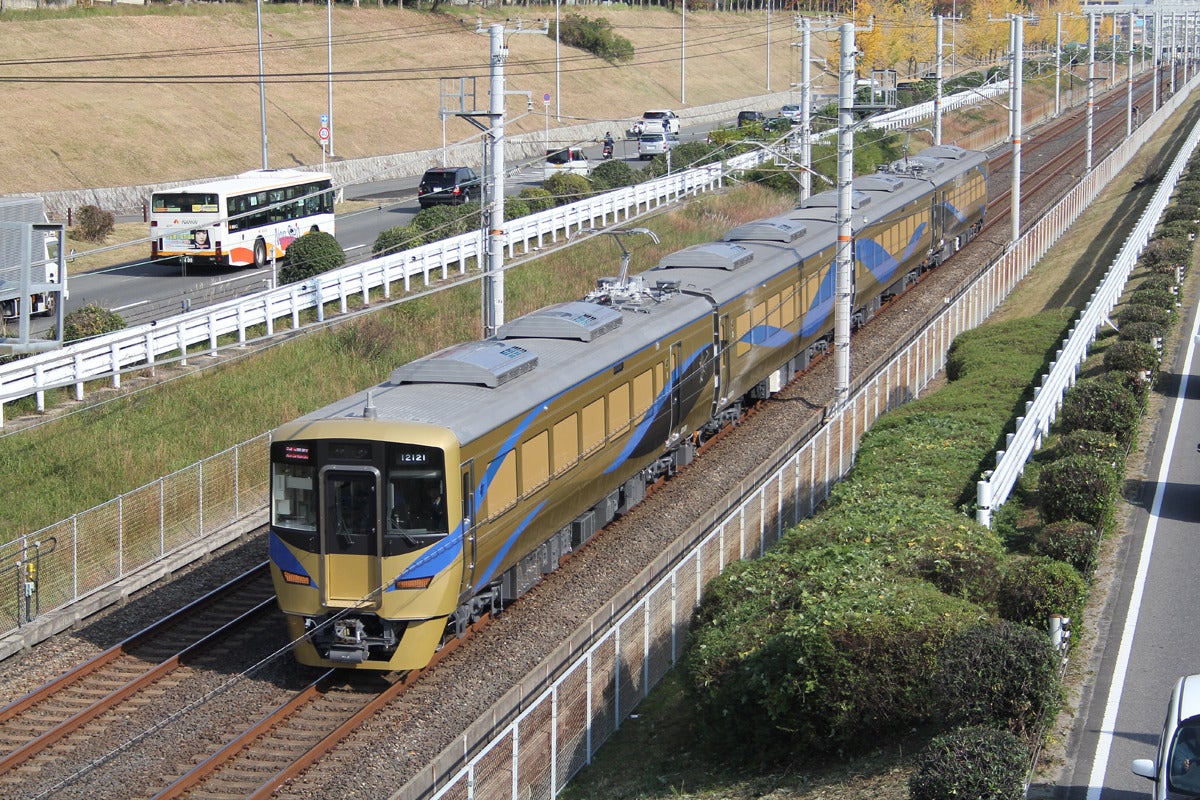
569	159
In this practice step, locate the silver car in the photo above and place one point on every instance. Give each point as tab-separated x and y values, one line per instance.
1175	769
652	144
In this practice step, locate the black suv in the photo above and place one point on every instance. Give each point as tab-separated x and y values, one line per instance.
447	186
748	117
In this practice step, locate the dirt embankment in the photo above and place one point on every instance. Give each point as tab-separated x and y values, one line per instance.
130	96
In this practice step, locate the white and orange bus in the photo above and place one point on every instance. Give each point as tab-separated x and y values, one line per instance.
241	220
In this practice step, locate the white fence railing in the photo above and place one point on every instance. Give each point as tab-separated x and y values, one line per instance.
228	324
994	489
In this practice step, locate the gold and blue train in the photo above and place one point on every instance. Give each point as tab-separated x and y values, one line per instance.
405	512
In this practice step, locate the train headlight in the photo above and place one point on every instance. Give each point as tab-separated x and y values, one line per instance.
296	578
413	583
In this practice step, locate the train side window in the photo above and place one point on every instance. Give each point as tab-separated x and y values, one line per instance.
741	327
535	463
592	426
787	307
775	316
618	409
643	393
502	489
566	443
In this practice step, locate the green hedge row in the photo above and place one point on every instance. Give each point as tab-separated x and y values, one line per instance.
850	623
892	610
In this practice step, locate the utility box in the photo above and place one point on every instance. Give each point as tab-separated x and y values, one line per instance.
876	93
33	280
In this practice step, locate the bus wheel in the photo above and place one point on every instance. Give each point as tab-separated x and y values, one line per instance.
260	254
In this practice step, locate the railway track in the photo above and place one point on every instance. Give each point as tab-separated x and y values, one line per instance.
43	726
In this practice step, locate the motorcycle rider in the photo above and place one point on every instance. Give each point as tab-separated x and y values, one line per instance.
608	144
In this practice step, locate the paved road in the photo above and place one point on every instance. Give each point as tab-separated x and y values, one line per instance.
1148	632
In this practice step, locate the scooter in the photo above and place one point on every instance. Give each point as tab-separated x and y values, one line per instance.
606	153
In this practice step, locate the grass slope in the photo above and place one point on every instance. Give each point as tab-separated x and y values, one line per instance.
118	96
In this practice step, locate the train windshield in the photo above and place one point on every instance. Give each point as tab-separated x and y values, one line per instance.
417	502
370	489
293	490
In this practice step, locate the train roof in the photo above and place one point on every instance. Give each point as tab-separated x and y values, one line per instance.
532	359
542	354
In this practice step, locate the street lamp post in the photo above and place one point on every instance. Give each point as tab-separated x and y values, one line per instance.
557	67
683	52
329	40
262	89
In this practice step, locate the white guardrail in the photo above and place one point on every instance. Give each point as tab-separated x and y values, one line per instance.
168	340
993	490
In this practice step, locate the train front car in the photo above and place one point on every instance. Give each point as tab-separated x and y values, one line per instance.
526	444
365	538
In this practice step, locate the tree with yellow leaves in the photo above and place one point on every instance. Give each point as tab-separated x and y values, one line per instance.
869	42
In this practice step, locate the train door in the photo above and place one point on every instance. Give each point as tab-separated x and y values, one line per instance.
937	218
350	504
467	473
724	355
676	376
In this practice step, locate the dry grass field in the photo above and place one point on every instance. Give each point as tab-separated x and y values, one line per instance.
115	96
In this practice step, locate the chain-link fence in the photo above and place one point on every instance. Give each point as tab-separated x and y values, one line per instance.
90	551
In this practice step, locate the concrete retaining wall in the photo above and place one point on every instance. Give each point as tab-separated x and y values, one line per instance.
123	200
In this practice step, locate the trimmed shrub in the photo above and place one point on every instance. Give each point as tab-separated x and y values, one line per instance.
1034	589
313	253
1101	404
1131	357
1157	281
443	221
536	198
613	175
999	674
1089	443
1181	211
693	154
93	224
975	763
1179	229
1163	255
1078	487
90	320
1161	298
1142	332
1136	312
398	239
515	208
804	650
567	188
1072	541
